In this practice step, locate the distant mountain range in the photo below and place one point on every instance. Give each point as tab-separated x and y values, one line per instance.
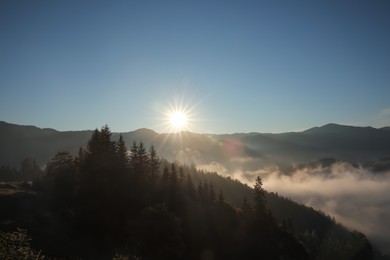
252	150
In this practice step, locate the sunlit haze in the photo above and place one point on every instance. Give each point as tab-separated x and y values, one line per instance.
177	129
178	120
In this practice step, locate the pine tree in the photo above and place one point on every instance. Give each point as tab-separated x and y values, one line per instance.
142	155
259	199
139	160
121	151
154	163
107	144
133	155
93	145
101	152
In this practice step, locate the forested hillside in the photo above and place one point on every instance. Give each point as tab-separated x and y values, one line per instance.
107	202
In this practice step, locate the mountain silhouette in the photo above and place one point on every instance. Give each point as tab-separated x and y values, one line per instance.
349	143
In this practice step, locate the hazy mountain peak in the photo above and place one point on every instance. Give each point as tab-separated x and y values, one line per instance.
336	128
28	129
145	131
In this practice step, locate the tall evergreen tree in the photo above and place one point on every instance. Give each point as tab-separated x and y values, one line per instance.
133	155
121	150
139	160
154	163
259	198
93	145
101	151
142	154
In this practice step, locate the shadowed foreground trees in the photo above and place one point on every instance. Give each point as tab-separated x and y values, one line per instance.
107	201
111	201
29	170
16	245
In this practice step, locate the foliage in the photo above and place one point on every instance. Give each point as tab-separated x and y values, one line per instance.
109	202
16	245
29	170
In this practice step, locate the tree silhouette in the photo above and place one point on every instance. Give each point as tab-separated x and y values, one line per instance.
29	169
259	198
104	202
154	164
121	151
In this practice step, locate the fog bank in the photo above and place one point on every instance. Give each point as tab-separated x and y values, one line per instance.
354	196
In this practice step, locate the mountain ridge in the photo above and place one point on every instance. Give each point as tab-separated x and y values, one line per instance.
350	143
325	126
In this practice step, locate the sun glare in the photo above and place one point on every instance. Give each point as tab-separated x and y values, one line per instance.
178	116
178	120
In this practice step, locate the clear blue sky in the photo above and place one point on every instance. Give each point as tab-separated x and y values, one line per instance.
265	66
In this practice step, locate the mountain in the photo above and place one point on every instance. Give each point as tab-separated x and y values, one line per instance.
235	151
18	142
348	143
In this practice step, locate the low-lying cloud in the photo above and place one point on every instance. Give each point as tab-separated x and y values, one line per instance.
354	196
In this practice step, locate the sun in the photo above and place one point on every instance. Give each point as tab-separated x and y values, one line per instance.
178	116
178	120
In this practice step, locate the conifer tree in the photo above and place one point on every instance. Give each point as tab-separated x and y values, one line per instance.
93	145
101	151
133	155
154	163
121	151
139	160
107	144
142	156
259	199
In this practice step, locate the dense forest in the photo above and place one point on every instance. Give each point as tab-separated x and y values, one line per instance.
109	202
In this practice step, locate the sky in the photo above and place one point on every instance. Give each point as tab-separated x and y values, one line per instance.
234	66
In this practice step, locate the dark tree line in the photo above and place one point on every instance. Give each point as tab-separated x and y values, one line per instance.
112	202
29	170
108	200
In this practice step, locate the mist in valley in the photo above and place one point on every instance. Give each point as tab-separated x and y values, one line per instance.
353	195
